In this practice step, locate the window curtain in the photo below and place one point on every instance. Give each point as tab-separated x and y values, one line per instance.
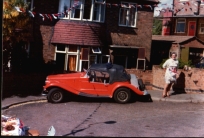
72	62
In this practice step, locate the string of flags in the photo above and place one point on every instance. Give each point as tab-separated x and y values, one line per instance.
188	6
77	3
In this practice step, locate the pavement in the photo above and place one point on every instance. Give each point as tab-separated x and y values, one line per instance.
156	95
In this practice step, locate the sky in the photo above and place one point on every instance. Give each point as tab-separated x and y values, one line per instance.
163	4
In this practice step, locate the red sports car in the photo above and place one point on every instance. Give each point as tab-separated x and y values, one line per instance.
100	80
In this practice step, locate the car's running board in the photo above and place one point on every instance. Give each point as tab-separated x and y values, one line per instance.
93	95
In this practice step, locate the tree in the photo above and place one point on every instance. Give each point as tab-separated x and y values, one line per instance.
157	27
16	32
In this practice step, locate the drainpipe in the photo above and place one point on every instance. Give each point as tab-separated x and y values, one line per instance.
198	7
197	19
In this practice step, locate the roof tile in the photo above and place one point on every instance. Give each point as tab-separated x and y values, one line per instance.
79	33
173	38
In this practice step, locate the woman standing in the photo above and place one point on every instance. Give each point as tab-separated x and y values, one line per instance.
171	66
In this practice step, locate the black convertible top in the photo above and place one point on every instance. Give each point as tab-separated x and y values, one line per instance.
117	73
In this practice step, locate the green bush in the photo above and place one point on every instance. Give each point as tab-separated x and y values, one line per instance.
181	63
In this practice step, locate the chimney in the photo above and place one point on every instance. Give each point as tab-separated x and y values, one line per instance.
166	22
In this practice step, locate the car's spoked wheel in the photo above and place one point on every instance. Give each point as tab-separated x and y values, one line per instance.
55	95
122	95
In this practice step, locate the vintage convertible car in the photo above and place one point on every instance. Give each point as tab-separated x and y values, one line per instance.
100	80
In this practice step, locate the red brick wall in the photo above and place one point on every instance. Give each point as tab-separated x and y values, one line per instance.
140	36
200	20
43	29
48	48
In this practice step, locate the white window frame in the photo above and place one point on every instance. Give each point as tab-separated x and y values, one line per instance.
201	28
81	8
179	21
105	56
101	13
67	53
128	13
96	52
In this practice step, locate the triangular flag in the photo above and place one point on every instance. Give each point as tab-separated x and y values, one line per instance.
51	131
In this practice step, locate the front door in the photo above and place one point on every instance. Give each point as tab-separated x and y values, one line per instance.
191	28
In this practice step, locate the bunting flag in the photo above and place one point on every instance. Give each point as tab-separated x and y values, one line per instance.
155	5
187	6
148	6
132	6
32	13
50	17
18	9
77	3
140	6
124	6
43	18
187	3
55	16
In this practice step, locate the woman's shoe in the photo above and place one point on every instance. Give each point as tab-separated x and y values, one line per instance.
168	95
163	96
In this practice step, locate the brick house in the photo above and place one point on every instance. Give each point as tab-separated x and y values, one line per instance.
78	33
182	32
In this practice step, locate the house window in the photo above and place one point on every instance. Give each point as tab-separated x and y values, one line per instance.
75	58
180	26
67	57
96	50
63	9
84	59
202	28
76	9
89	10
99	10
127	15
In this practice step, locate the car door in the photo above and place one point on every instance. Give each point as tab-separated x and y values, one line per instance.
85	86
101	84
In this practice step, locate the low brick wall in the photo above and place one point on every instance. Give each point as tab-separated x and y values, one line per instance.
191	81
187	81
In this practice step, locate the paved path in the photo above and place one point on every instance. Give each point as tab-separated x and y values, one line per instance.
156	95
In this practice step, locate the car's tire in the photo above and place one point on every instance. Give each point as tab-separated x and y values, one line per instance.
55	95
122	95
